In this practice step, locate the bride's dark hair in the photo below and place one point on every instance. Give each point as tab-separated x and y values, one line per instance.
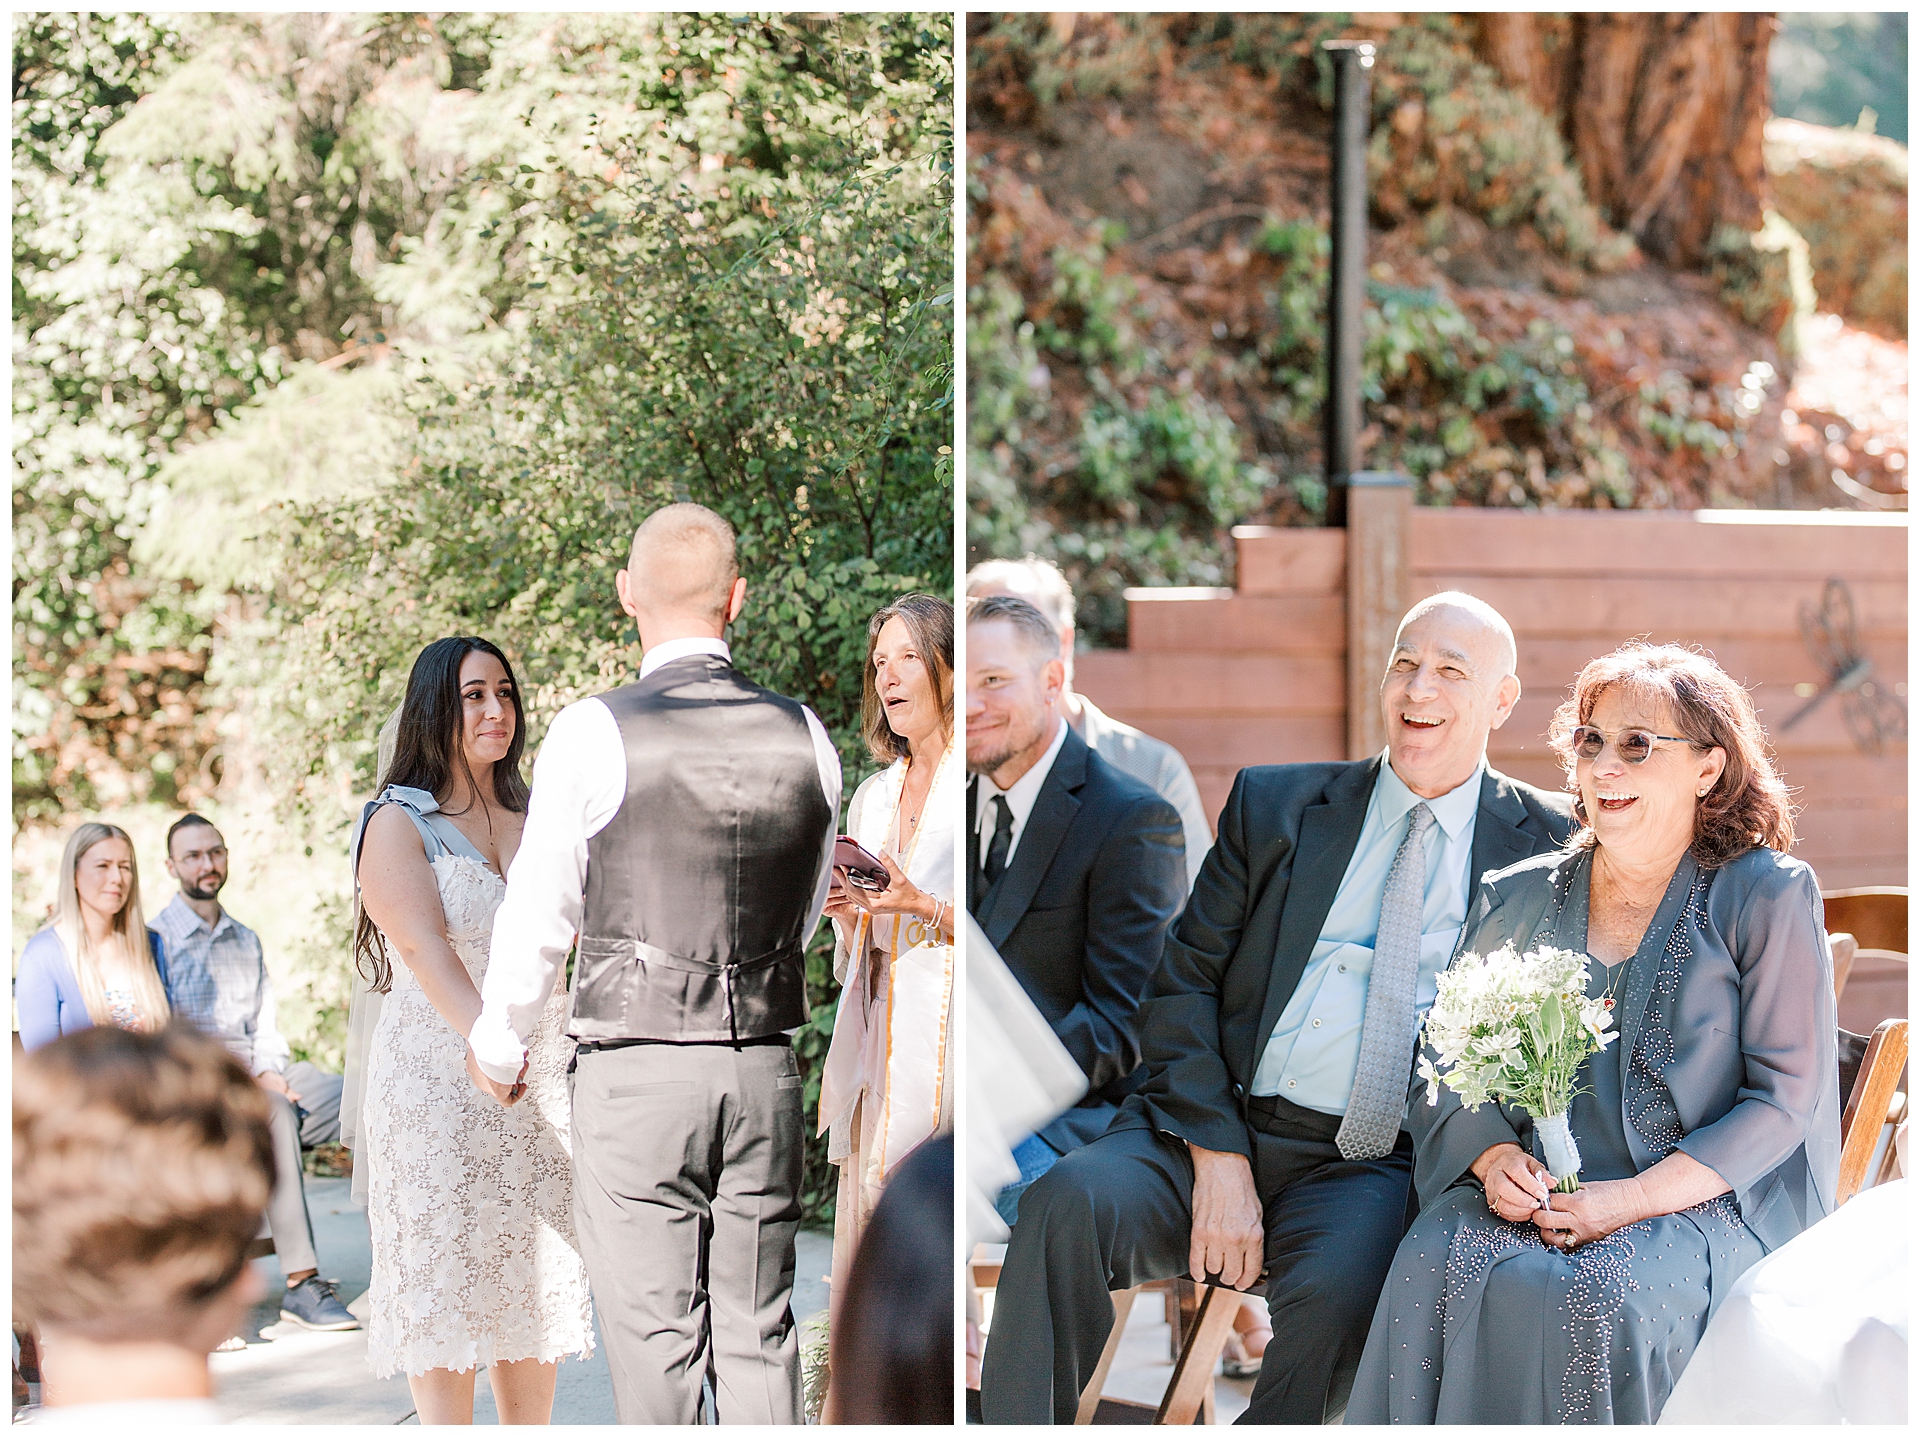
428	751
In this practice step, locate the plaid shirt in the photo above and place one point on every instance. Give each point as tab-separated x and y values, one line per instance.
220	984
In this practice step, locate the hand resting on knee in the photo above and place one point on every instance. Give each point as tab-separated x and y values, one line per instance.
1229	1238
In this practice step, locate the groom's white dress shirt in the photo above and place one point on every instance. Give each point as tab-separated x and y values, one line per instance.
579	783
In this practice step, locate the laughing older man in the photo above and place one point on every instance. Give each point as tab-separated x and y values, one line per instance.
1278	1043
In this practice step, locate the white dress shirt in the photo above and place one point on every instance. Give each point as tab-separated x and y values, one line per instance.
1314	1052
579	783
1020	798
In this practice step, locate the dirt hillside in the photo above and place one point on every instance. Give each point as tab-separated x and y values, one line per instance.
1146	276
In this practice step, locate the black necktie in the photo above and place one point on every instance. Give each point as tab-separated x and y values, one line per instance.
996	863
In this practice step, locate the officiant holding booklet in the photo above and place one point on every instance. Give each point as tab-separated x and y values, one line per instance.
888	1083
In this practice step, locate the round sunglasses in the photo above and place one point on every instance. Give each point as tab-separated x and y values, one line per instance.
1634	745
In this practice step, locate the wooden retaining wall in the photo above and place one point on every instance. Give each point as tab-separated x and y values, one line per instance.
1258	674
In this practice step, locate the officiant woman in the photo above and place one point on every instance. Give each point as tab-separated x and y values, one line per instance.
1709	1133
887	1086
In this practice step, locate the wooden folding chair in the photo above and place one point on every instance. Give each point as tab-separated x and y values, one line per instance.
1188	1399
1841	947
1870	1103
1876	917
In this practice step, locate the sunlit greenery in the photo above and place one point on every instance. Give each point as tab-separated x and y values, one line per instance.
338	333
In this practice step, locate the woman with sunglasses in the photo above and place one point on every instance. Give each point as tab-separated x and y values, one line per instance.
1709	1134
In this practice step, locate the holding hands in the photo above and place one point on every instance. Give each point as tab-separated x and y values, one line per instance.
504	1094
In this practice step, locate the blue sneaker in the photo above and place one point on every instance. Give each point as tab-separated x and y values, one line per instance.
311	1303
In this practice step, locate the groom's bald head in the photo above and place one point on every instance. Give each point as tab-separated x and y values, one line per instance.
682	564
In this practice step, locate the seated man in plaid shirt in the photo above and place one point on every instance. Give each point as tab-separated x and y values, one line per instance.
220	985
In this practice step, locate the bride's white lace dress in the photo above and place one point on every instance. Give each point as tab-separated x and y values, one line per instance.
470	1203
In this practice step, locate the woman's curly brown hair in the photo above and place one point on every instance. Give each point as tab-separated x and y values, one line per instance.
1748	806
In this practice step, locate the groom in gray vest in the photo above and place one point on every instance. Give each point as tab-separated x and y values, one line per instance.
683	827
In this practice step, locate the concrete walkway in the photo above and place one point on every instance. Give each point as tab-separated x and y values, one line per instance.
290	1375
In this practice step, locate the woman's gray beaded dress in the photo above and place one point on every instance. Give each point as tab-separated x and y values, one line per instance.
1482	1322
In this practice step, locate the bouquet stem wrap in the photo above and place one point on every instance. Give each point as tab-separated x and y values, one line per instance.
1562	1152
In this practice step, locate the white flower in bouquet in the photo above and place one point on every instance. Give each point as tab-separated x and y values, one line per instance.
1516	1027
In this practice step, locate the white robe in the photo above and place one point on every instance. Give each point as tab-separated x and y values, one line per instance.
888	1081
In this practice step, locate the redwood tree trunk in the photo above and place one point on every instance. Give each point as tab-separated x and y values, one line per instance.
1665	114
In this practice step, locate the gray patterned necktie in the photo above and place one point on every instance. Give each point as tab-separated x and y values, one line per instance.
1379	1098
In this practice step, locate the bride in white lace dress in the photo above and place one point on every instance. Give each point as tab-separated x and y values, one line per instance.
470	1203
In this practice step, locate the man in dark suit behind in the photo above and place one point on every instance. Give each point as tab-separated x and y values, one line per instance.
1278	1043
1074	869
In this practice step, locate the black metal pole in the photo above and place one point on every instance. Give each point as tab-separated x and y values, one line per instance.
1346	290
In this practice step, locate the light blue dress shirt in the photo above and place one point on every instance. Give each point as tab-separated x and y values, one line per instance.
1315	1048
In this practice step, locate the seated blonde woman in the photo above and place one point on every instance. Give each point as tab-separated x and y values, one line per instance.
1709	1133
97	963
887	1086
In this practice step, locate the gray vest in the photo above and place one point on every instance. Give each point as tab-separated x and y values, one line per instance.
698	889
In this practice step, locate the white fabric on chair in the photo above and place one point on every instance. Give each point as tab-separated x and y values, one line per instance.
1814	1333
1019	1078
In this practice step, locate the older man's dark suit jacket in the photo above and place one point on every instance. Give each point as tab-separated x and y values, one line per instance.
1080	916
1237	953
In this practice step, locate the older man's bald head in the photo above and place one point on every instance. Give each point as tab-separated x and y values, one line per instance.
682	563
1494	633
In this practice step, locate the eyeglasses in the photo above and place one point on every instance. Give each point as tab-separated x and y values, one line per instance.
1634	745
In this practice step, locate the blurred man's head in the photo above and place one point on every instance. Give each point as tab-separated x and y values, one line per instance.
682	579
1449	683
1040	583
142	1163
1014	684
197	857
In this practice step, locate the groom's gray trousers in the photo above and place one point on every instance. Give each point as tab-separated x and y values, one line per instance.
686	1199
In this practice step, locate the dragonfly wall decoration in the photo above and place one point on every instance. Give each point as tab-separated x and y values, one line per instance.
1874	713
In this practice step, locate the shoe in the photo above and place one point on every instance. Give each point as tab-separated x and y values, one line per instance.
311	1303
1234	1361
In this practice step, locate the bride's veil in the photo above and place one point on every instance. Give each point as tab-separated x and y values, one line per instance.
364	1013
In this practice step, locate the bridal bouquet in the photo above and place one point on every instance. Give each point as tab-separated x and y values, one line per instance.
1517	1027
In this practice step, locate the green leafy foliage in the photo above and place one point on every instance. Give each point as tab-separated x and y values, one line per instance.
1158	472
1154	471
1514	353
